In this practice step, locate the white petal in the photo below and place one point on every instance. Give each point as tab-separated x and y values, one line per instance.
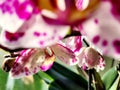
103	30
13	13
64	54
35	33
30	62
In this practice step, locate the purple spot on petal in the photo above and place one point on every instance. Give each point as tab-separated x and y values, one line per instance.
104	43
37	34
13	70
16	65
96	39
13	36
84	67
26	74
41	42
26	69
60	38
96	21
55	31
35	70
22	71
45	68
116	45
74	60
5	7
17	72
52	38
44	34
22	10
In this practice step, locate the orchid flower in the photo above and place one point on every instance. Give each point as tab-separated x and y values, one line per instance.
90	58
23	26
41	22
102	28
74	43
30	61
39	25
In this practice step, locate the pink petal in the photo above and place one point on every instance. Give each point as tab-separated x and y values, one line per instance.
30	62
92	57
82	4
74	43
81	57
101	64
64	54
35	33
103	30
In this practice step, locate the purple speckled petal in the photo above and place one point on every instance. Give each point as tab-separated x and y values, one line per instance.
13	13
90	58
101	64
65	54
103	30
30	61
74	43
35	33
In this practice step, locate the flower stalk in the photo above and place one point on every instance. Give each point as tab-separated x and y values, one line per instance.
89	79
89	71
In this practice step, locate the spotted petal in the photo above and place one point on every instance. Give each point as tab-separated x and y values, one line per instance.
31	61
90	58
64	54
103	30
34	33
74	43
13	13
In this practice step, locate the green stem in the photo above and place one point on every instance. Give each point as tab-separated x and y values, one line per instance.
89	71
97	80
86	43
89	80
11	50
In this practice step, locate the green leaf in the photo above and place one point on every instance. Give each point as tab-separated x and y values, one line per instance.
66	78
98	82
109	78
69	74
39	83
55	86
21	85
3	79
49	80
115	84
45	77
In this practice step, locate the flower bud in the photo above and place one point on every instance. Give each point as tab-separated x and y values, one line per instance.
90	58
